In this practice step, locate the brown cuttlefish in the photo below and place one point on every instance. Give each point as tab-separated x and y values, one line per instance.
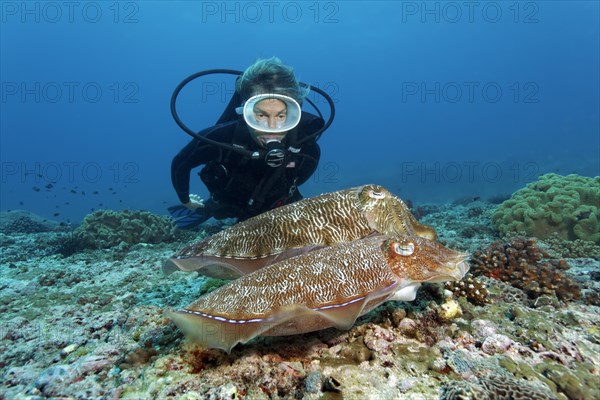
297	228
329	287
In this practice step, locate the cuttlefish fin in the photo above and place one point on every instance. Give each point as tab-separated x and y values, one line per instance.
230	267
213	269
222	333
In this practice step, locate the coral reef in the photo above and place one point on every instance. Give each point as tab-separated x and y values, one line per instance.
92	326
568	205
571	248
419	211
19	221
472	288
103	229
461	227
518	262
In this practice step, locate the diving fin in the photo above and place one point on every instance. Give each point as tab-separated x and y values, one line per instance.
187	219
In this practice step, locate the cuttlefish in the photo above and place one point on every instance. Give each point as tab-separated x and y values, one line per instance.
329	287
297	228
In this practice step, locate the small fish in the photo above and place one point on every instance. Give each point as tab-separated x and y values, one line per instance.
56	214
73	191
36	189
21	203
95	192
330	287
49	186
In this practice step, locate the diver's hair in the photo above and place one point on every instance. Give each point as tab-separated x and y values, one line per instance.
270	76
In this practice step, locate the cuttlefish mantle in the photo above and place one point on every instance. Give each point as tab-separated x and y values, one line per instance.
329	287
298	228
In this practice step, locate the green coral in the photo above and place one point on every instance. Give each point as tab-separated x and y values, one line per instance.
568	205
103	229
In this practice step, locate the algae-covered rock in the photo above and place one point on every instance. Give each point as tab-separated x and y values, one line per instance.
577	383
106	228
568	205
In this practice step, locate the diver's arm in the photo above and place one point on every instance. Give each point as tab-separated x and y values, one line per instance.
194	154
181	167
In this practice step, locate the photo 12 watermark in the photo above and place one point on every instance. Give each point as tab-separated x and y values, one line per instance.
469	172
253	12
69	92
69	12
41	332
36	332
68	172
521	92
454	12
327	173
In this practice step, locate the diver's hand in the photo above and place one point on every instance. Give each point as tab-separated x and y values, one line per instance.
194	203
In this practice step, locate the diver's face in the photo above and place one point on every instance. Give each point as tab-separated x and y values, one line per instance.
270	113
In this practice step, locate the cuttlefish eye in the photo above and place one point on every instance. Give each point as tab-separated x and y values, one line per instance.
376	195
404	249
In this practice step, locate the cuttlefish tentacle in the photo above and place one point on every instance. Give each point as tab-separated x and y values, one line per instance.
298	228
330	287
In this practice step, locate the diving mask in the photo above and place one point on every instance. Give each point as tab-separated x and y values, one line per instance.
277	116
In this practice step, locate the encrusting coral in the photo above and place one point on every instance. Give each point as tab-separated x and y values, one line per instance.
103	229
572	248
568	205
518	263
494	388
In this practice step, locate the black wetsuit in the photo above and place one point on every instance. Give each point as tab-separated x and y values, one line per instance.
233	178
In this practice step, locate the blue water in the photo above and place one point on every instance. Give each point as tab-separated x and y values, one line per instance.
434	100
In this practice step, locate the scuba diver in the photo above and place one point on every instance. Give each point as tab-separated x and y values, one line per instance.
261	149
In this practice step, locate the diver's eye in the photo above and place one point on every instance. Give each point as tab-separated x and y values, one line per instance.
376	195
281	117
404	249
